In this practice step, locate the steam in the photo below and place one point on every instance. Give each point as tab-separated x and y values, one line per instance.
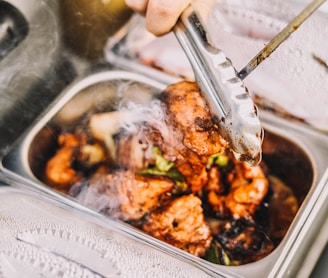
130	117
91	197
153	114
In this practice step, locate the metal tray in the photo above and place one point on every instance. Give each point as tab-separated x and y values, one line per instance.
298	154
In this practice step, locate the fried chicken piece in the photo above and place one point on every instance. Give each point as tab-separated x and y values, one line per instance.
182	224
135	194
193	168
59	171
73	148
215	194
249	187
237	193
187	109
185	135
193	136
134	152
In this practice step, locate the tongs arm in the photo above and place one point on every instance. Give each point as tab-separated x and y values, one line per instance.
229	101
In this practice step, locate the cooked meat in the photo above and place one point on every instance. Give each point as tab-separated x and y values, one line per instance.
172	175
73	149
218	205
215	182
214	191
193	168
248	188
136	195
190	123
238	193
134	152
186	137
182	224
188	111
244	242
59	171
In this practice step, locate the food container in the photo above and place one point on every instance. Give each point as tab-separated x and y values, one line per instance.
294	152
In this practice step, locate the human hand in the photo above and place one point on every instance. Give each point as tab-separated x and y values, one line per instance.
161	15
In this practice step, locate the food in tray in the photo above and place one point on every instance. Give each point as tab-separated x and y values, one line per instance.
164	168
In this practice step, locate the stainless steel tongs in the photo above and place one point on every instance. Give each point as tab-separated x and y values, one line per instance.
229	101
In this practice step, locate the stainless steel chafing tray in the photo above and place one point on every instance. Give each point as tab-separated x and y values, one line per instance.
293	152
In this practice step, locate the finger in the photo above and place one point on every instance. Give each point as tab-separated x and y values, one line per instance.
162	15
140	6
203	7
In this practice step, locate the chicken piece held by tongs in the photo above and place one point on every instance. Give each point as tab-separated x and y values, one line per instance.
230	103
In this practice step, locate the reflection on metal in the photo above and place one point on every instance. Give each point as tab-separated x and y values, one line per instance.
13	28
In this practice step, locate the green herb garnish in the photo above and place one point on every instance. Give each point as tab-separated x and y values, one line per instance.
166	168
218	159
217	255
